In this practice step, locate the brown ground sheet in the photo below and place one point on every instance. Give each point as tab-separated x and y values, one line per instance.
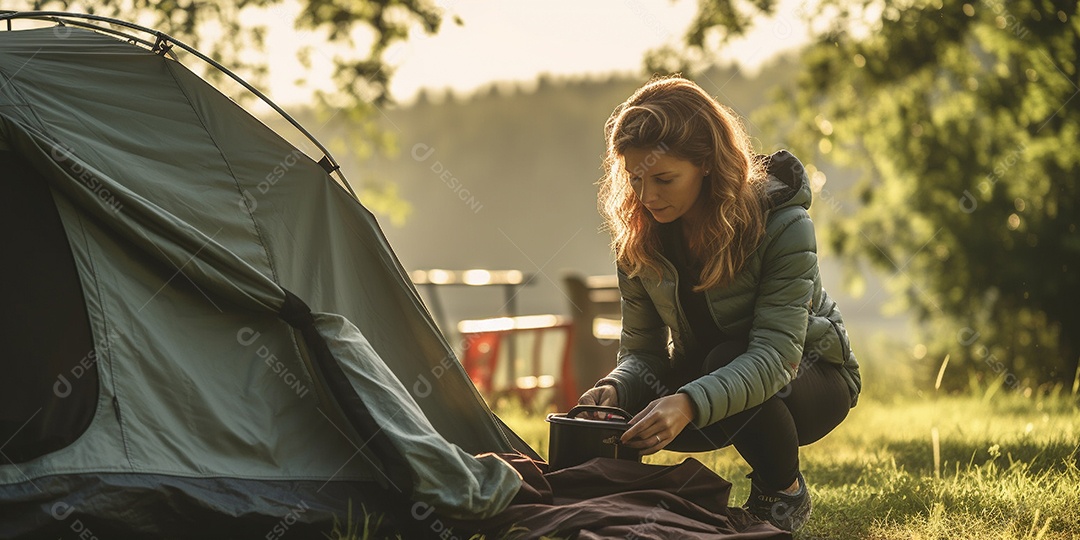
610	498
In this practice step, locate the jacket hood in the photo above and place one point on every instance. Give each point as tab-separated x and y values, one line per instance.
787	184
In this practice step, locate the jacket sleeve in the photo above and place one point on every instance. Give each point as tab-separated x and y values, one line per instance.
643	356
778	331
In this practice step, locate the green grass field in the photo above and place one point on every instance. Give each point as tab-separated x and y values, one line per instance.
1005	466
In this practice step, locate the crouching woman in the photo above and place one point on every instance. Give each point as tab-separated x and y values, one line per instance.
715	249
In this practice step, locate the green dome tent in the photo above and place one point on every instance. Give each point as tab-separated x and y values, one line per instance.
204	331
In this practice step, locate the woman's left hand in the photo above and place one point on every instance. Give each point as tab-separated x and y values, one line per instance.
658	423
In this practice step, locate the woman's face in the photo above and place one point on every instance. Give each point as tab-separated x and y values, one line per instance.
667	186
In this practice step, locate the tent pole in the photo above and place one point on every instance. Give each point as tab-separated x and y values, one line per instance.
57	16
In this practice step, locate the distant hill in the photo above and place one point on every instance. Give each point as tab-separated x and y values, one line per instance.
505	179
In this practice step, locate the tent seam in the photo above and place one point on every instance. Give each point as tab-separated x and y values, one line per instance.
232	174
108	345
25	102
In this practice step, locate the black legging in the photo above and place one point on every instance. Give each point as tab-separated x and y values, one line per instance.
769	435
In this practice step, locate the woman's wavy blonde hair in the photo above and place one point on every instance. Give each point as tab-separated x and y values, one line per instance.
672	115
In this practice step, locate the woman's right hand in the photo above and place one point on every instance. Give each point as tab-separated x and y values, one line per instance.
604	395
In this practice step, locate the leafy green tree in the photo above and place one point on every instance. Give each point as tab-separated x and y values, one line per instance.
964	118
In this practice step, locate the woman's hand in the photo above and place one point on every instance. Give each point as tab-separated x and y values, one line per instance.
658	423
604	395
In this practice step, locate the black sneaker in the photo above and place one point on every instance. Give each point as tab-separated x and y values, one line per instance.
787	512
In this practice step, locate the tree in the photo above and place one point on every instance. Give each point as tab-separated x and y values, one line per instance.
964	119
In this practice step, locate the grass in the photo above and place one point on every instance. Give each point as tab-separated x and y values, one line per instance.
1007	468
1005	465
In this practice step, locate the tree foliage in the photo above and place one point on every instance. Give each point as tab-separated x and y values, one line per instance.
228	32
964	118
356	34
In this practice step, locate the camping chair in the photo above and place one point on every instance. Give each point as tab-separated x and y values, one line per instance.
527	358
596	311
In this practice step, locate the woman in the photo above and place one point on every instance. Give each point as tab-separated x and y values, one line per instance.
715	248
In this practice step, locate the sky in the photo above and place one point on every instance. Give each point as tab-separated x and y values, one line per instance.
517	40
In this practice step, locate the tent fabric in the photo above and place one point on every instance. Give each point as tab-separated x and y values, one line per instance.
190	223
153	506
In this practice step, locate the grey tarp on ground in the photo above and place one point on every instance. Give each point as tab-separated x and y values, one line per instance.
188	219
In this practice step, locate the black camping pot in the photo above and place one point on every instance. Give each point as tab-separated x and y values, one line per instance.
576	440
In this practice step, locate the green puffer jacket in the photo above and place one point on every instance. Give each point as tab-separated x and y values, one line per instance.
775	302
